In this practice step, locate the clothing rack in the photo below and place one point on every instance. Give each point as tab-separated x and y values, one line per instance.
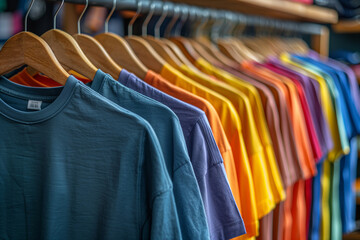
319	33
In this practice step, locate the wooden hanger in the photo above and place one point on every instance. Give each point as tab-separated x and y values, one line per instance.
164	51
229	50
244	51
146	53
203	53
120	51
95	52
122	54
238	46
67	51
26	48
176	50
186	47
259	46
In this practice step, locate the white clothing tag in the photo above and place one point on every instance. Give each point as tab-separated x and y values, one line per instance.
34	105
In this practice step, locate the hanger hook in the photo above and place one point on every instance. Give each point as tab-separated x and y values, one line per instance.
133	19
205	17
184	17
82	14
219	21
241	25
109	16
57	12
147	20
173	21
27	15
161	20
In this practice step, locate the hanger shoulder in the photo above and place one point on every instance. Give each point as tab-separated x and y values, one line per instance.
229	51
97	55
186	47
27	48
164	51
176	50
216	53
204	53
146	53
69	53
120	51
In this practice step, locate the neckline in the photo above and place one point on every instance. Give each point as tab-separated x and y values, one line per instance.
61	94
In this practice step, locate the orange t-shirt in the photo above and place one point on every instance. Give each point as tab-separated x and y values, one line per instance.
185	91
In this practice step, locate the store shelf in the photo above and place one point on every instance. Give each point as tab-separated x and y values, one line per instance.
347	26
272	8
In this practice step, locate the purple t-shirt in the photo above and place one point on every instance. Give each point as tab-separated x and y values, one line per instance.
224	219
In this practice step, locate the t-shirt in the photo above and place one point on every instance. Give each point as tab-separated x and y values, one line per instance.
351	123
313	217
314	137
76	166
297	116
168	130
261	128
345	80
338	132
224	219
286	167
288	139
316	207
294	225
313	95
347	193
285	124
350	72
264	196
160	83
233	129
218	132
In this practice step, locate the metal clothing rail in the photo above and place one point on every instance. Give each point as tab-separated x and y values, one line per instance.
120	4
319	33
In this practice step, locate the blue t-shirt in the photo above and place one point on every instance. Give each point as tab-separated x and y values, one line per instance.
167	128
73	165
222	213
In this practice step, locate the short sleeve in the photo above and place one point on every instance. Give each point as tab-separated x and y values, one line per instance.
224	219
159	218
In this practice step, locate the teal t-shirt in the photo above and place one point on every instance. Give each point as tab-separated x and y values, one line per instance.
168	130
73	165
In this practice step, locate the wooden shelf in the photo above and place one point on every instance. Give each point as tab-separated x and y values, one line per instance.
279	9
347	26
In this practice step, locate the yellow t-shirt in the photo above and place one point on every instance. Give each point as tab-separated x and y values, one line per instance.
232	126
259	121
264	198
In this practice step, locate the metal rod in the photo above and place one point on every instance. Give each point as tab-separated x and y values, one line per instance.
304	28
